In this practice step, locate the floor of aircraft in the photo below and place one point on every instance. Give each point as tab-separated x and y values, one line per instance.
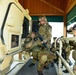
26	70
19	67
23	66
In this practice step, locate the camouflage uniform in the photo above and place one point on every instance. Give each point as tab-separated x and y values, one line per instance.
31	43
66	51
73	46
55	48
44	56
45	31
39	52
53	45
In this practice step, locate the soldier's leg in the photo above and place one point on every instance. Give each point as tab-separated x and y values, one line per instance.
40	68
46	65
74	57
50	61
34	59
51	58
32	64
67	57
41	63
67	60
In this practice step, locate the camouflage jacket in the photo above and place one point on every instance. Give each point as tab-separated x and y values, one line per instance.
45	32
72	44
30	43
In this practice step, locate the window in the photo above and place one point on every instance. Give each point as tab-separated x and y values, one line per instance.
57	29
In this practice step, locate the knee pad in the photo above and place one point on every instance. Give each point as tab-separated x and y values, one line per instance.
43	59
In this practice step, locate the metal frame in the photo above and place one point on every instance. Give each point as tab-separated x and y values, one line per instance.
61	59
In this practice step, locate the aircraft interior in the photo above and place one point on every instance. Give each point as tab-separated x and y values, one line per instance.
19	18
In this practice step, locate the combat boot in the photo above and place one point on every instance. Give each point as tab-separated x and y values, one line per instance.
40	73
66	71
52	64
32	64
46	67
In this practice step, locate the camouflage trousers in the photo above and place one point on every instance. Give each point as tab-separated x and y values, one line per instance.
43	58
74	69
67	56
74	57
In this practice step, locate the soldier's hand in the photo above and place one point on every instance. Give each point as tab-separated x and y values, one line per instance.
44	41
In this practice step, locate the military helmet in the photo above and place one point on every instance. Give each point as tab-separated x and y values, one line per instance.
42	18
72	28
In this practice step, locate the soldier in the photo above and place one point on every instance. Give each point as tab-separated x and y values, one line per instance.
72	44
74	47
31	42
44	58
55	47
39	52
45	30
66	53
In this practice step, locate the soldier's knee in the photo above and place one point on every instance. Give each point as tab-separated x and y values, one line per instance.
43	59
